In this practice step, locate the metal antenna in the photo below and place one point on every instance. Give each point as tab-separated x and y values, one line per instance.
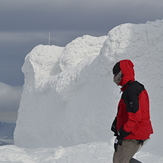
49	38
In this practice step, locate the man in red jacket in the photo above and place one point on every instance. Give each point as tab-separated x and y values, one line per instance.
132	125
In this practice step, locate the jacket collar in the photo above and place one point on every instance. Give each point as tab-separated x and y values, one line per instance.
126	85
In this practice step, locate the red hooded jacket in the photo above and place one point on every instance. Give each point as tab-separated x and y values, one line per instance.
133	114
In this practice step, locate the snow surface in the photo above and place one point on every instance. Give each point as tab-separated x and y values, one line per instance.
69	99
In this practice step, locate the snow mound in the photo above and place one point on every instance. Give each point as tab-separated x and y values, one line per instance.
56	106
69	97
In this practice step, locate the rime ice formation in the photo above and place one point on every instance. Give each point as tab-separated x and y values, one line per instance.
69	97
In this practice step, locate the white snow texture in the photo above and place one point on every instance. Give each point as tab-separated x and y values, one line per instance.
69	97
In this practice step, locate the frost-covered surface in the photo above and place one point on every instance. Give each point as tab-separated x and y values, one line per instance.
85	153
60	107
69	99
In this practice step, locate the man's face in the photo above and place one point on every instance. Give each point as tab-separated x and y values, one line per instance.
117	77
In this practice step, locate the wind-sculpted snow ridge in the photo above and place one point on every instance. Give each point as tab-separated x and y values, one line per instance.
69	97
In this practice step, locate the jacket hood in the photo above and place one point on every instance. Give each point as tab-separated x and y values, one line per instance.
128	74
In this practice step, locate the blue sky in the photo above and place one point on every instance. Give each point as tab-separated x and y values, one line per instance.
25	24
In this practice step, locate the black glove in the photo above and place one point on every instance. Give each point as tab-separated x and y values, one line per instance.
113	127
122	133
118	141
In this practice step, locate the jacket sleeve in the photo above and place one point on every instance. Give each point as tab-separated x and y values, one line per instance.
134	114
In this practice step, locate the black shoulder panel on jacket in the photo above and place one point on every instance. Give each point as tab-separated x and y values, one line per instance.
131	96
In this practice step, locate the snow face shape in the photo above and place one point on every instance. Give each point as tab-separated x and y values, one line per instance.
69	96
